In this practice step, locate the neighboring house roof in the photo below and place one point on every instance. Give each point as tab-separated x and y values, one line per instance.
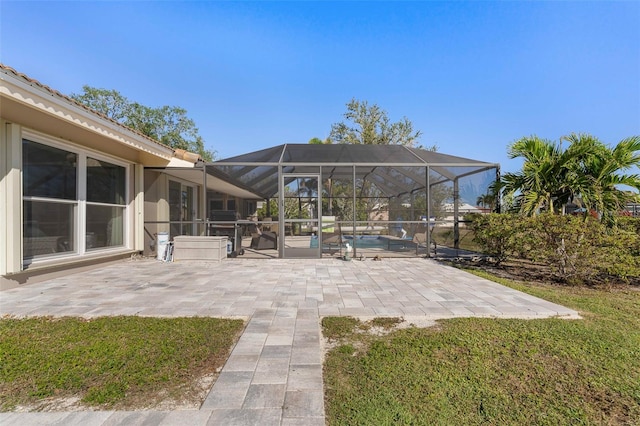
18	91
463	207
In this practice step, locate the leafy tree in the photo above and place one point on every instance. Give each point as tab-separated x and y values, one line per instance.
370	125
108	102
318	141
268	211
588	172
168	125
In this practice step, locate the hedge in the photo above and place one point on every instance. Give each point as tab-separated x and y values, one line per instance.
576	249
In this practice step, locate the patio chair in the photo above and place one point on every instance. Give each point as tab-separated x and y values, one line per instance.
332	238
420	238
269	224
262	240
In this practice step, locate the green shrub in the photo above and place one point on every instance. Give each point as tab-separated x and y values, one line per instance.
583	249
567	244
577	249
631	224
622	249
497	234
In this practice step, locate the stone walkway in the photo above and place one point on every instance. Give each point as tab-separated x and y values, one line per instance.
274	373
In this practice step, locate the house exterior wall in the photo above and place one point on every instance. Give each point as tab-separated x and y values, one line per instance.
18	266
138	210
99	151
175	203
156	208
83	229
10	198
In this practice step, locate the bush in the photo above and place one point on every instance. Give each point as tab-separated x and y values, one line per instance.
583	249
629	223
497	234
577	249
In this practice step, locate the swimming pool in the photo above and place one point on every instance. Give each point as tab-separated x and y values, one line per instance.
371	241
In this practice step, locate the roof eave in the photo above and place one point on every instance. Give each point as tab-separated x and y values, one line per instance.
32	94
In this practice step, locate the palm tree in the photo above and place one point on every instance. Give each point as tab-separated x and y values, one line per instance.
598	177
587	172
541	184
487	200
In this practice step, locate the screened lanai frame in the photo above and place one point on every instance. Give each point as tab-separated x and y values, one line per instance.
396	172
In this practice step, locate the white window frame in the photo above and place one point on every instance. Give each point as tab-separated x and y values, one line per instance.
80	222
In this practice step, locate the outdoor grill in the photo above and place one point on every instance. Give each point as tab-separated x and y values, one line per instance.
224	223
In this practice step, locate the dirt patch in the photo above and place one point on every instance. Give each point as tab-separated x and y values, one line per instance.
191	399
375	326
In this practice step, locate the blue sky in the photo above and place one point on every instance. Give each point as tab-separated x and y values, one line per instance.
472	76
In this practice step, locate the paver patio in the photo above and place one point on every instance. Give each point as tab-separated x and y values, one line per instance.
274	373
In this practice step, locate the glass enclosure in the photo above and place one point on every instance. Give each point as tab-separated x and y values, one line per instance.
381	200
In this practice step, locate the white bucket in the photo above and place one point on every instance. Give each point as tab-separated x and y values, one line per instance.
161	244
348	252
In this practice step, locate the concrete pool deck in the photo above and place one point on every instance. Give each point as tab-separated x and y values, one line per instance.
274	373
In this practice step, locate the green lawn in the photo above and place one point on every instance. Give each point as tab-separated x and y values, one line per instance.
490	371
110	362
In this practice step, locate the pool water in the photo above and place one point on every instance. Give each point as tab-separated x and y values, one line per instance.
361	241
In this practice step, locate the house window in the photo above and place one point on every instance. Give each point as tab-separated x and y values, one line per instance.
105	204
216	205
216	202
72	201
50	199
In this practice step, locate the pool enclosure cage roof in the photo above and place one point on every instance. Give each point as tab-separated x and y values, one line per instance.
395	169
